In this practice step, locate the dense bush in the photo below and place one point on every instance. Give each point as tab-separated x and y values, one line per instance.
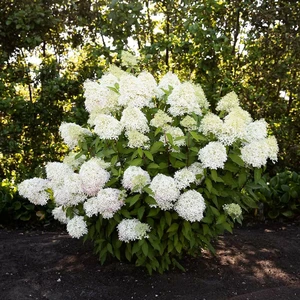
15	210
155	174
281	195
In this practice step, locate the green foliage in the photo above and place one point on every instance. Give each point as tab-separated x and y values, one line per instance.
281	196
172	235
224	45
15	210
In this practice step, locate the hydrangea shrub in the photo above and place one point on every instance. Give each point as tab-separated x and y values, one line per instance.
155	174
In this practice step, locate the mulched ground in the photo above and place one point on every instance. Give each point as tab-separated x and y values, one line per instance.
258	262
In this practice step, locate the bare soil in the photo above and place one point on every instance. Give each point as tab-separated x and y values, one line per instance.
258	262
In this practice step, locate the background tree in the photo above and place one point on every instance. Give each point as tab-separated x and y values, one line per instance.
251	47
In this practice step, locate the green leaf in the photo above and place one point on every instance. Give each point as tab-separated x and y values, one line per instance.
178	155
133	200
25	217
163	165
198	137
207	220
249	201
150	200
227	227
145	248
215	177
136	162
153	166
228	179
157	131
168	217
178	247
178	265
125	213
187	229
98	225
288	213
285	198
136	248
109	248
148	155
242	178
140	212
148	190
257	175
156	147
153	212
206	230
285	188
221	219
128	253
208	184
229	166
162	223
273	214
236	159
173	228
140	152
170	139
215	211
17	205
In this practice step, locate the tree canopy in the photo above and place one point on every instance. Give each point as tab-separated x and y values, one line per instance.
48	48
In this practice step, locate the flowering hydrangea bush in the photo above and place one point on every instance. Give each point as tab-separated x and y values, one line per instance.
155	174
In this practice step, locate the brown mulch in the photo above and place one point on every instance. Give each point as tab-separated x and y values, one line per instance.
258	262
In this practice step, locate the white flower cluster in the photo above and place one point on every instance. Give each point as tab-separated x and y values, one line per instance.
68	192
167	83
107	127
56	171
93	176
186	98
233	210
184	178
135	179
65	184
107	203
228	102
115	104
128	59
133	119
137	91
132	229
211	123
257	147
190	206
213	155
176	134
189	123
255	131
74	162
235	124
137	139
197	169
165	191
257	152
99	97
161	119
72	134
230	129
60	215
34	190
77	227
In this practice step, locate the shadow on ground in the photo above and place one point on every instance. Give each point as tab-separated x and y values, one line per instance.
257	263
